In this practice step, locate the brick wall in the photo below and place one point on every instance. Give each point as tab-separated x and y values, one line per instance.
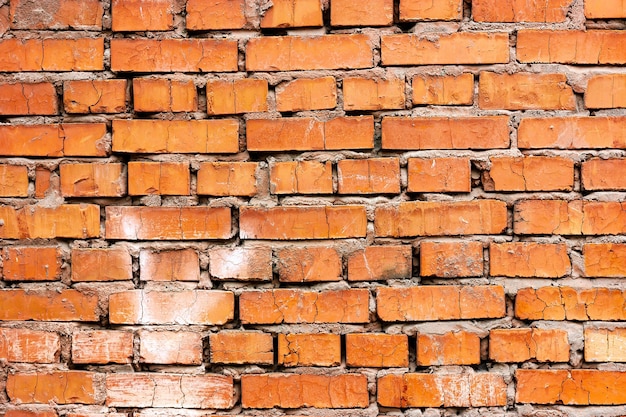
312	207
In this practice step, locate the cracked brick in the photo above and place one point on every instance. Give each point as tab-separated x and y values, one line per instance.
377	350
228	178
92	180
451	259
309	264
417	10
380	263
521	345
102	347
447	175
236	347
552	11
29	346
451	348
316	349
170	347
62	387
529	259
361	93
307	94
241	264
169	265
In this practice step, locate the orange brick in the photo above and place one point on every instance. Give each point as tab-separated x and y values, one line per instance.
43	305
215	14
600	174
380	263
488	132
529	259
31	346
56	14
207	391
43	182
162	178
606	91
173	55
377	350
571	47
32	222
95	96
307	94
605	259
373	94
62	387
292	53
442	390
28	99
451	259
552	11
142	15
531	173
296	223
293	13
295	306
102	347
237	96
301	177
430	218
244	264
447	90
369	176
101	265
92	180
77	139
525	91
449	302
305	390
167	223
439	175
13	181
84	54
31	264
452	348
29	413
162	307
412	10
605	9
169	265
605	344
572	133
228	178
521	345
343	133
242	347
309	349
176	136
444	48
163	95
170	347
371	13
309	264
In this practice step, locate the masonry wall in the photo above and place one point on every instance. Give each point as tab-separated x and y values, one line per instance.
312	207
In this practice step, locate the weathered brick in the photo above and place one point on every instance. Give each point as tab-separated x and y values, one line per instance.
38	413
530	173
102	347
238	96
605	259
170	347
309	264
307	94
552	11
13	181
309	349
371	13
293	13
56	14
572	132
76	139
605	344
28	99
451	259
48	305
43	182
62	387
215	14
31	346
380	263
452	348
84	54
163	95
142	15
605	9
606	91
529	259
243	264
31	263
242	347
301	177
92	180
228	178
439	175
369	176
113	264
32	222
599	174
412	10
521	345
361	93
169	265
377	350
447	90
95	96
162	178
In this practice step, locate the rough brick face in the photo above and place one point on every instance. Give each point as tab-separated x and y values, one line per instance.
106	96
92	180
520	345
170	348
307	94
380	262
141	15
377	350
30	346
13	181
551	11
529	259
28	99
293	13
439	175
453	348
31	264
308	264
63	387
102	347
101	265
171	265
451	259
443	90
163	95
532	173
309	349
241	348
416	10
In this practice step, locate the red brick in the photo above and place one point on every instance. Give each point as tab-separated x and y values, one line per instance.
412	10
377	350
95	96
176	136
552	11
292	53
572	133
605	9
442	390
113	264
307	94
215	14
170	347
228	178
238	96
43	182
439	175
56	14
301	177
606	91
169	265
599	174
169	390
173	55
31	346
295	306
530	173
605	344
605	259
380	263
293	13
361	93
371	13
571	47
451	259
84	54
445	48
13	181
343	133
430	218
92	180
310	264
77	139
521	345
180	307
429	303
28	99
529	259
242	348
447	90
142	15
243	264
452	348
309	349
488	132
31	263
48	305
62	387
33	222
525	91
369	176
305	390
163	95
296	223
162	178
102	347
167	223
29	413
